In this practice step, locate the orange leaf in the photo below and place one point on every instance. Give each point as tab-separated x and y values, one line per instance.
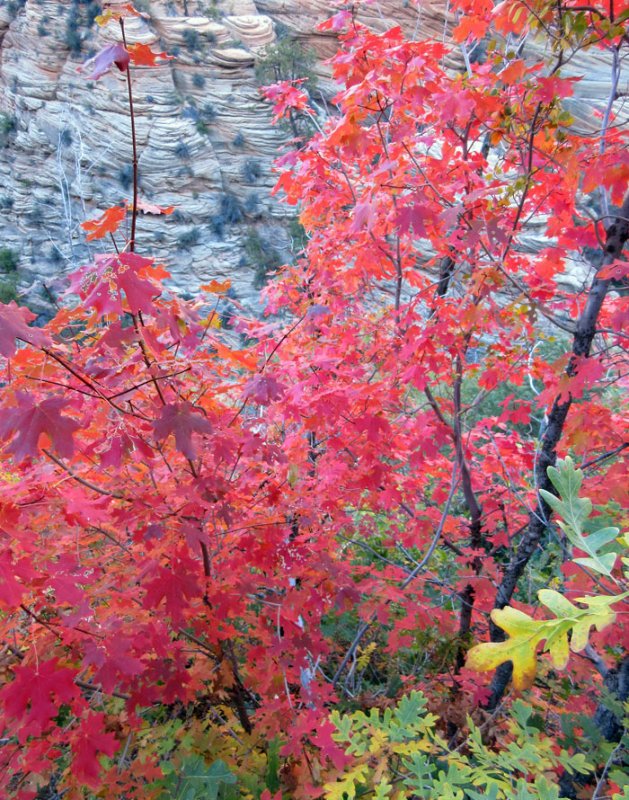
469	26
109	222
217	287
513	72
143	56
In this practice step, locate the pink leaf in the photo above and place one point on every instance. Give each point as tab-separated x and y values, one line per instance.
13	326
364	217
263	389
29	420
101	62
183	420
413	216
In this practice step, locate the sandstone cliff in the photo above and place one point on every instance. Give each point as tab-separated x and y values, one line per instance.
205	140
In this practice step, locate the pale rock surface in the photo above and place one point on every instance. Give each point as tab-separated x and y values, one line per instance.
205	139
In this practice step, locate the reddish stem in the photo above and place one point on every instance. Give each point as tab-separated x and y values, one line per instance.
134	212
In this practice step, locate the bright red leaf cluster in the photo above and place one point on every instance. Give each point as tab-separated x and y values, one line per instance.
189	523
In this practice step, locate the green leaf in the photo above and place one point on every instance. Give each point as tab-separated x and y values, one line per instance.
382	791
567	480
408	712
603	564
546	790
599	614
343	725
602	537
420	769
199	782
557	603
490	794
574	511
272	779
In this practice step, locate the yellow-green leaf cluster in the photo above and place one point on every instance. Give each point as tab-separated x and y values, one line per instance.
526	633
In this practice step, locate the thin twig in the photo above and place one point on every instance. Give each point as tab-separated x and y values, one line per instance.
80	480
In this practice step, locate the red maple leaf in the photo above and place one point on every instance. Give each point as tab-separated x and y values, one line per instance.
470	26
285	96
10	589
29	697
413	216
87	742
112	660
364	217
13	326
552	87
120	446
183	420
100	284
173	585
26	423
618	270
328	747
108	222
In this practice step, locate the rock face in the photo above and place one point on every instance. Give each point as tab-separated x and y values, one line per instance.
205	139
205	143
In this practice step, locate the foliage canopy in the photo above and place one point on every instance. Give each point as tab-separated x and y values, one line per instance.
254	567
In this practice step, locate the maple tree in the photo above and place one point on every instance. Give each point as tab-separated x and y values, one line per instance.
208	545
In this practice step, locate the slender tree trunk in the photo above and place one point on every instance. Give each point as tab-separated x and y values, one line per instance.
616	237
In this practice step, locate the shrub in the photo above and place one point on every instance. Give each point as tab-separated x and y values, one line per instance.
14	6
55	256
229	213
8	128
262	256
125	176
204	118
251	170
8	290
182	150
9	260
92	10
72	37
230	209
198	80
286	60
192	39
208	112
188	239
252	204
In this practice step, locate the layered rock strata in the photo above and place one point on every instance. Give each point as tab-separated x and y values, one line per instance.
205	139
